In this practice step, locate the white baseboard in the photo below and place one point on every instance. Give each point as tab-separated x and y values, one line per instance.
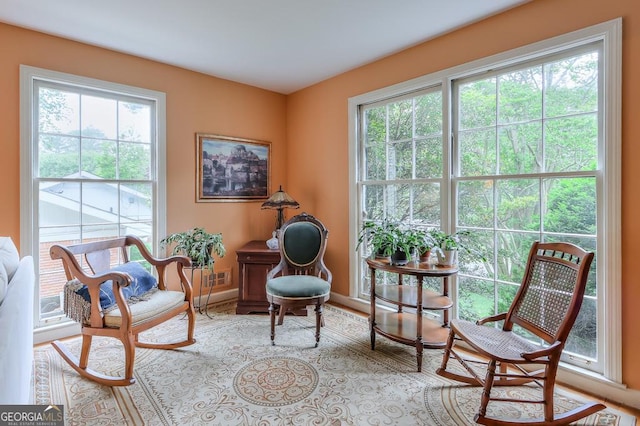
222	296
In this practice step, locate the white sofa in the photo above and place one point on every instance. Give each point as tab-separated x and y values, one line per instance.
17	283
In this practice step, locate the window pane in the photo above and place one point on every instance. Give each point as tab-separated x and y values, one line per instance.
570	205
476	256
506	294
400	160
512	254
134	161
518	204
99	117
475	298
426	204
475	204
401	120
429	158
571	143
99	202
520	96
583	337
99	158
58	156
135	202
374	205
58	112
375	143
398	202
478	152
520	148
571	85
477	104
133	122
428	113
59	204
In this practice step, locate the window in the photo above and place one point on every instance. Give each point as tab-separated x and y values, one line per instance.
526	169
519	147
92	153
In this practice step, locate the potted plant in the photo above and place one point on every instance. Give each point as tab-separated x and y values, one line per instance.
378	236
197	244
389	239
448	246
422	241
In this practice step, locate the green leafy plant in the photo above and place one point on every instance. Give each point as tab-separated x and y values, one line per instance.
197	244
387	238
463	240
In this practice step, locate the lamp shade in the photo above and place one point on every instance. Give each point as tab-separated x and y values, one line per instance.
280	200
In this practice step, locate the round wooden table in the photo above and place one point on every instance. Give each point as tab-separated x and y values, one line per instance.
411	328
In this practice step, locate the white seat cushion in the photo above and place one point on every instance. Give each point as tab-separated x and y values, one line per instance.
159	302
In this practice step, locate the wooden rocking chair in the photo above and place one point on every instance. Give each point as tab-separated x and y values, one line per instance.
130	312
546	305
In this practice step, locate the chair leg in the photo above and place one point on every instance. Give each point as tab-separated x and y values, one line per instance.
319	321
547	390
272	316
486	393
84	352
281	313
128	341
447	352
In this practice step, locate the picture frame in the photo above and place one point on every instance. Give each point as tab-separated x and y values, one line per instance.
232	169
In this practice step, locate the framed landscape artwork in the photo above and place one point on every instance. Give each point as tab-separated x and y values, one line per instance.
232	169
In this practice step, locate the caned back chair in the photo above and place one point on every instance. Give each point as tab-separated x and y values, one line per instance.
546	305
120	301
301	278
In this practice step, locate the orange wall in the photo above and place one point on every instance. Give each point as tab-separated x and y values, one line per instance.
195	103
309	129
317	129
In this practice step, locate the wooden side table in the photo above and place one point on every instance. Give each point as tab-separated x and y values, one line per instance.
255	260
411	328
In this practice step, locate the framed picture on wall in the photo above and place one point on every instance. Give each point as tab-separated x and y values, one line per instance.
232	169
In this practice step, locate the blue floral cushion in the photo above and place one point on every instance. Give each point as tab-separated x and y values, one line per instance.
142	282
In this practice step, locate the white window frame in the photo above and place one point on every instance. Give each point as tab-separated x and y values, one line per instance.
28	191
609	213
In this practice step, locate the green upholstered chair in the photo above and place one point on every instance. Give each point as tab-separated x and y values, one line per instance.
301	278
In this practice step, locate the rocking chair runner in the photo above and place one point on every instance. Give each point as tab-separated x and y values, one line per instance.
546	305
124	320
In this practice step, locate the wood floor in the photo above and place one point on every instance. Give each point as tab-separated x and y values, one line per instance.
631	411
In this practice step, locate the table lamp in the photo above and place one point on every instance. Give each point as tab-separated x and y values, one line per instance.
279	200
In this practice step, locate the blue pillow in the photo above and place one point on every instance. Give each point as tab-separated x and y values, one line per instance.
142	281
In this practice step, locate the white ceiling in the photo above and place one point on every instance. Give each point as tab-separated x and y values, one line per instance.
279	45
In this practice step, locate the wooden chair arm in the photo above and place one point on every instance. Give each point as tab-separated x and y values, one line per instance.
327	273
160	264
492	318
279	268
546	352
155	261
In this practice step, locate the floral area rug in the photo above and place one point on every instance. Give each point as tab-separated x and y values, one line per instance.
234	376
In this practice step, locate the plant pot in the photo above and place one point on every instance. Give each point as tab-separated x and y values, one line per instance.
447	257
424	256
399	258
380	254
